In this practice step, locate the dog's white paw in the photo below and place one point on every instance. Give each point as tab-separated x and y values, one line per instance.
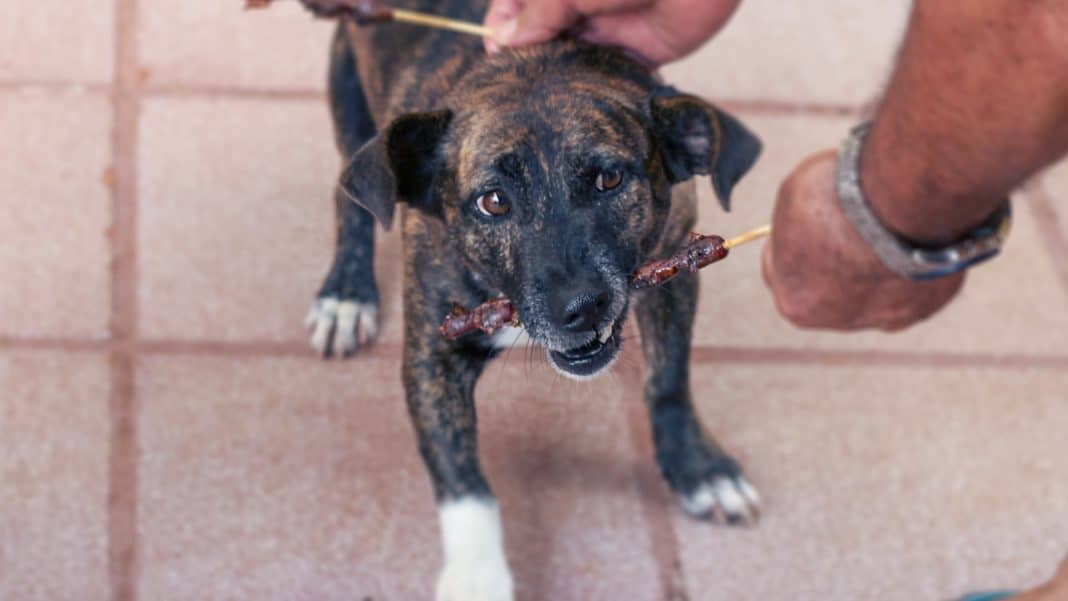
724	499
475	567
475	581
339	328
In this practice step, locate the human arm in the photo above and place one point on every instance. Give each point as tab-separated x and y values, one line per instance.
977	103
1054	590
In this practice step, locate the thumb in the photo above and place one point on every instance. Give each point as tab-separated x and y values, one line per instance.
767	268
499	13
540	21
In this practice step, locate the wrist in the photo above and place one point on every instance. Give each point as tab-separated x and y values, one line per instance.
916	258
908	195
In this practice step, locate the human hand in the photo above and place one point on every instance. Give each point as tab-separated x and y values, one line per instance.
653	31
1054	590
824	275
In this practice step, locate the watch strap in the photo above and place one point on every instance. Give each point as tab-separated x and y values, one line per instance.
898	254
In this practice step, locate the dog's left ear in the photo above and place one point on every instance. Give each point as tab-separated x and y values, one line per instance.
696	138
398	164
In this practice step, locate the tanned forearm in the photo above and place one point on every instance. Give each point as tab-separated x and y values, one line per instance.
978	102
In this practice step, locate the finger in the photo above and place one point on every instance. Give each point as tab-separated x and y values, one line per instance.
767	271
629	32
766	268
1062	572
498	13
787	303
640	34
539	21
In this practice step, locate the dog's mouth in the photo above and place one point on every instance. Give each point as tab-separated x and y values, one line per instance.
590	359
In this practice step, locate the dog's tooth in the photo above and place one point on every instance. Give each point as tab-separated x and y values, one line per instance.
606	335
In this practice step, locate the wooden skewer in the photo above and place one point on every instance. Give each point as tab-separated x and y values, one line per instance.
416	18
366	12
753	234
701	251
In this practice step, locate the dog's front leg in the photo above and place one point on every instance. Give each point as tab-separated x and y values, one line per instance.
440	384
708	481
344	314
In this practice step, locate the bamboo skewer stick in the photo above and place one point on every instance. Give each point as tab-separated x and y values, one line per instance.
366	12
753	234
416	18
700	252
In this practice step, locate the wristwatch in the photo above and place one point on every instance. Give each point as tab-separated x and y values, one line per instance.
904	257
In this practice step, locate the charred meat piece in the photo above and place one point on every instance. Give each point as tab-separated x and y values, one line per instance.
487	317
491	316
700	252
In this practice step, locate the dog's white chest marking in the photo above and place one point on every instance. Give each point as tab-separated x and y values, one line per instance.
475	567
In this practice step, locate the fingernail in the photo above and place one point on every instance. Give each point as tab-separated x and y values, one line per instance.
504	32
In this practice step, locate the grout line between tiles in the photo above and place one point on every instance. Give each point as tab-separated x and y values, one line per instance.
209	92
777	107
123	456
700	354
29	85
300	350
122	480
656	503
170	90
1055	239
76	345
874	358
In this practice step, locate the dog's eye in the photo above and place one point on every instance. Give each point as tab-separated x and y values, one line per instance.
493	204
608	180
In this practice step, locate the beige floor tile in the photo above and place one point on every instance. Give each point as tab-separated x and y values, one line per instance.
53	500
56	208
885	483
64	40
219	44
995	314
560	458
280	479
833	52
236	219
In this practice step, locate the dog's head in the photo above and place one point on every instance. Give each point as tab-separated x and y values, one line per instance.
552	170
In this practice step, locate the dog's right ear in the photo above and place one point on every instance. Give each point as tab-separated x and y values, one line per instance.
398	164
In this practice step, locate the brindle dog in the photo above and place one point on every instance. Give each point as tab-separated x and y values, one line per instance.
546	174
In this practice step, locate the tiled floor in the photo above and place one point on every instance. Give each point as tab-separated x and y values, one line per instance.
167	436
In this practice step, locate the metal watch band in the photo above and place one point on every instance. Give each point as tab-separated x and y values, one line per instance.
898	254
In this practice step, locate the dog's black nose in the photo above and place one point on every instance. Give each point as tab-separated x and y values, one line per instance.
584	311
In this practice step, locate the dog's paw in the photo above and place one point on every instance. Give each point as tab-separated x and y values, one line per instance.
340	327
486	580
724	499
475	566
709	482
